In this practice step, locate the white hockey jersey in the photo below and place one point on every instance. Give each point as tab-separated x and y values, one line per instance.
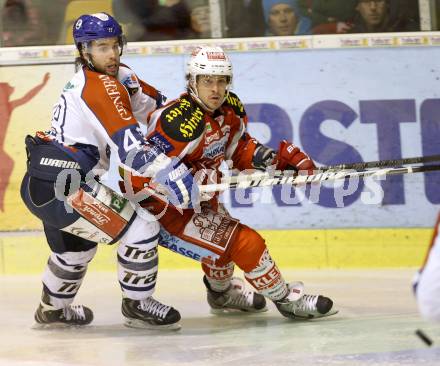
97	113
428	281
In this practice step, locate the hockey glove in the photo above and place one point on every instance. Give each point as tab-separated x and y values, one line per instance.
290	157
182	191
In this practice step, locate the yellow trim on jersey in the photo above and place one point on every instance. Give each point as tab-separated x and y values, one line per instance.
338	248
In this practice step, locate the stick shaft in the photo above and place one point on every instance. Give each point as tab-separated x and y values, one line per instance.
264	179
383	163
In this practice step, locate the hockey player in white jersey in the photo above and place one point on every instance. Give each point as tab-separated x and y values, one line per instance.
96	116
427	284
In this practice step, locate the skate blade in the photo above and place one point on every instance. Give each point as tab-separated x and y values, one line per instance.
58	325
230	311
139	324
301	317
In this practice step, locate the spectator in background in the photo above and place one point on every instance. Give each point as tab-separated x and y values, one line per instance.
374	16
159	19
22	24
330	16
284	18
244	18
200	14
406	9
31	22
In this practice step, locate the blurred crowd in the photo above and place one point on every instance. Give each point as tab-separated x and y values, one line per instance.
43	22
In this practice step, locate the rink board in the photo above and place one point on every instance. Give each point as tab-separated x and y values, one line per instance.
339	105
352	248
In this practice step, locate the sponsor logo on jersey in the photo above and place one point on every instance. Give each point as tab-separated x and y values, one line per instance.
181	250
64	164
215	149
69	86
117	202
131	83
161	142
92	211
79	231
182	106
183	121
234	101
212	228
189	125
111	88
104	218
212	137
84	233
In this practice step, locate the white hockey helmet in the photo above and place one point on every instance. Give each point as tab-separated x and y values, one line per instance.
207	60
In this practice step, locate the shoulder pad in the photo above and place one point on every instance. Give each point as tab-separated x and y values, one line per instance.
235	103
182	120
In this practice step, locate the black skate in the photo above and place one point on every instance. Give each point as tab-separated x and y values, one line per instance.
235	298
297	305
149	314
73	315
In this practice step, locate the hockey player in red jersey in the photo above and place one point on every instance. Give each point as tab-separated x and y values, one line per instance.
97	115
205	127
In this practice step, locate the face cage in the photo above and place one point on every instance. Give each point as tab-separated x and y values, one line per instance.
192	88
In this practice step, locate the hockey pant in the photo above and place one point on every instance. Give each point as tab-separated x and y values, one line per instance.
219	241
74	227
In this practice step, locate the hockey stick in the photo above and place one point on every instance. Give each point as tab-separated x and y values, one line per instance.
264	179
383	163
354	166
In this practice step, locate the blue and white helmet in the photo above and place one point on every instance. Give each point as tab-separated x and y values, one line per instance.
90	27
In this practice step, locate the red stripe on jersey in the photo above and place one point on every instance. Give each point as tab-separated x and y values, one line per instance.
108	100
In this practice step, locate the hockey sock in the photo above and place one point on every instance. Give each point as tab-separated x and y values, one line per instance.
266	278
64	274
138	260
219	278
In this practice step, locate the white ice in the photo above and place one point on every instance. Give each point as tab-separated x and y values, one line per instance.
375	326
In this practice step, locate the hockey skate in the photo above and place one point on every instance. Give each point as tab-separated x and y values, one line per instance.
235	298
297	305
149	314
73	315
